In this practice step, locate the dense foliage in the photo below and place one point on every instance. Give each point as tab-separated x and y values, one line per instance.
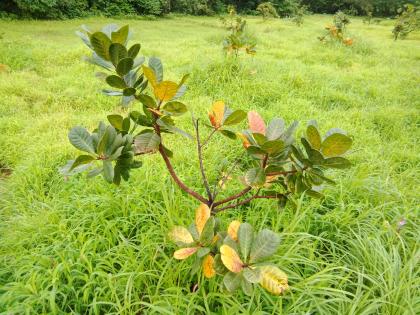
56	9
408	21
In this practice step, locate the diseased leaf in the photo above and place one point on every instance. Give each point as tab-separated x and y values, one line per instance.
185	252
273	280
202	214
208	267
233	229
256	123
165	90
230	259
336	144
180	234
265	244
216	114
150	75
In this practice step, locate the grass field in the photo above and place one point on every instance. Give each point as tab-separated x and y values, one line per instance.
85	247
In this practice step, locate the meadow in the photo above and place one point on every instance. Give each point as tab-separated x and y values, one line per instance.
82	246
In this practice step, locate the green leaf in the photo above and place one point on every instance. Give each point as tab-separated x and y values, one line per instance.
140	119
203	251
336	144
103	142
134	51
234	118
228	133
253	150
121	35
275	129
255	177
252	275
124	66
232	281
157	68
129	91
146	142
117	52
247	287
265	244
126	124
245	238
218	265
116	82
175	108
108	171
100	43
147	100
116	121
273	147
82	159
259	138
337	162
313	137
80	138
207	234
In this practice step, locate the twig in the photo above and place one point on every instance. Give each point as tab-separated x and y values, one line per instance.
200	159
243	202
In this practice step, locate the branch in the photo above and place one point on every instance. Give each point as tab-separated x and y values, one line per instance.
209	137
176	178
200	159
171	170
238	195
243	202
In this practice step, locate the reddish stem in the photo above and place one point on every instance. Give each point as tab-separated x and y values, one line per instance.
243	202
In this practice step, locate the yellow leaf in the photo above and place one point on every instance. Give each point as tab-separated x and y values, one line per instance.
233	229
208	267
202	214
181	234
165	90
150	75
217	113
215	239
231	259
273	280
185	252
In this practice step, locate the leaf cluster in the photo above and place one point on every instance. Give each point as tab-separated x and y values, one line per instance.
337	31
238	254
267	10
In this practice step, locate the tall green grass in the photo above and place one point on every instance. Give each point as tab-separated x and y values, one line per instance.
85	247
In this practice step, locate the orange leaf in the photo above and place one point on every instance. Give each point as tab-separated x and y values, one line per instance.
233	229
231	259
181	234
202	214
185	252
150	75
245	140
165	90
256	123
208	267
217	113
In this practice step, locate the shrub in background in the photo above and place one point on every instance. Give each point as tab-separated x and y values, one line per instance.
407	21
267	10
337	31
238	39
275	166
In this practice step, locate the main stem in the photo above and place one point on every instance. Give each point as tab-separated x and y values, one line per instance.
200	159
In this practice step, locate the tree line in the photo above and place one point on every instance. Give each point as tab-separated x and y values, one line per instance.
59	9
